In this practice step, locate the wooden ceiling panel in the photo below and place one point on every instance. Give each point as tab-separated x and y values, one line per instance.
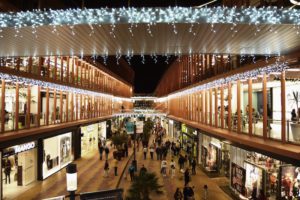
202	39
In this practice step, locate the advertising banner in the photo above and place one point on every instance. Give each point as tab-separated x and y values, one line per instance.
238	178
139	126
289	183
129	127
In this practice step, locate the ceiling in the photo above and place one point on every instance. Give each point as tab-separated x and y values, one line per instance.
221	40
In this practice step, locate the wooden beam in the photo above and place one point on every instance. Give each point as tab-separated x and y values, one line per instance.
250	106
61	109
39	106
216	107
210	107
47	106
229	107
222	107
54	109
239	116
17	108
62	69
283	108
67	106
3	106
28	106
265	107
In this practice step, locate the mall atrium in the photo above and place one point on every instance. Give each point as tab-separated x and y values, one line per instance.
199	99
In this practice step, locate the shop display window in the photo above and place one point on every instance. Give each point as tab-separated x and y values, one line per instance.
57	153
289	182
254	180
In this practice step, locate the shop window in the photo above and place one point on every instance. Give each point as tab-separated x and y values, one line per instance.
226	107
24	63
257	106
52	107
34	105
43	106
10	106
35	65
245	107
23	106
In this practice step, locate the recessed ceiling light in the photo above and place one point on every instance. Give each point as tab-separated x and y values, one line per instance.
295	2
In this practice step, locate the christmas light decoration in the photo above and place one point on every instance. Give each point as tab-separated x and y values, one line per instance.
277	67
151	16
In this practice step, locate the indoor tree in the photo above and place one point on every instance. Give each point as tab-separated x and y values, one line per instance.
147	130
143	185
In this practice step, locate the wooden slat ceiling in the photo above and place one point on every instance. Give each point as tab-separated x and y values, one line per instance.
269	40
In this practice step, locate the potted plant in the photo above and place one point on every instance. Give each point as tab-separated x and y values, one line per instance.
295	126
119	139
142	186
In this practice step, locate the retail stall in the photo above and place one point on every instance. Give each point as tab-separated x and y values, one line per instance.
19	167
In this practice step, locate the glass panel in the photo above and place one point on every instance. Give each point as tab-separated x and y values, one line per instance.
51	107
226	117
274	106
58	107
10	106
219	107
23	106
234	106
257	106
207	106
35	65
52	67
33	106
24	62
213	106
43	107
245	106
292	102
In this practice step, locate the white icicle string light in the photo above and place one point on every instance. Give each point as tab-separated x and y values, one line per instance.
27	81
277	67
170	15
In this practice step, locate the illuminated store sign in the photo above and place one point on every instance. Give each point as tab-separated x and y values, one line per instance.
24	147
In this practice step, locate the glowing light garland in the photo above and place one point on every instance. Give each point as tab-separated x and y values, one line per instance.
150	16
277	67
27	81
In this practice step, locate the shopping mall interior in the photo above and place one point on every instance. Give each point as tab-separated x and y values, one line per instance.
139	100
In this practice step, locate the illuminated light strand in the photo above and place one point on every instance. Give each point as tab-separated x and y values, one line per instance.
277	67
170	15
63	88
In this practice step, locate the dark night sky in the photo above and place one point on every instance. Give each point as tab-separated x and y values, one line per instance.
148	75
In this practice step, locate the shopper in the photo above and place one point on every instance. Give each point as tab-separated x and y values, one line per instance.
145	152
188	192
164	167
151	151
131	170
106	168
172	168
100	147
157	150
7	171
178	195
106	149
186	177
116	166
143	170
181	161
194	163
126	149
205	192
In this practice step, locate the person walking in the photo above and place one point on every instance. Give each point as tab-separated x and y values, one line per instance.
178	195
106	149
100	147
126	149
131	171
116	166
7	171
181	161
186	177
106	168
157	151
143	170
194	163
188	193
145	152
164	167
151	151
205	194
172	168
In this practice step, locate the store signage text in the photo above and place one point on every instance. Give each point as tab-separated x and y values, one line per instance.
24	147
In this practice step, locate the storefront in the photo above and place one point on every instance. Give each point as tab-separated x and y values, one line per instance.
215	155
19	167
189	140
58	153
90	136
253	173
171	128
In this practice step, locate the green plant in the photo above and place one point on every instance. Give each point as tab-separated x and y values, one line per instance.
148	126
143	185
119	138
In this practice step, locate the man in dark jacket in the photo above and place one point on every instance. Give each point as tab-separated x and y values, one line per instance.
100	147
158	152
106	149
